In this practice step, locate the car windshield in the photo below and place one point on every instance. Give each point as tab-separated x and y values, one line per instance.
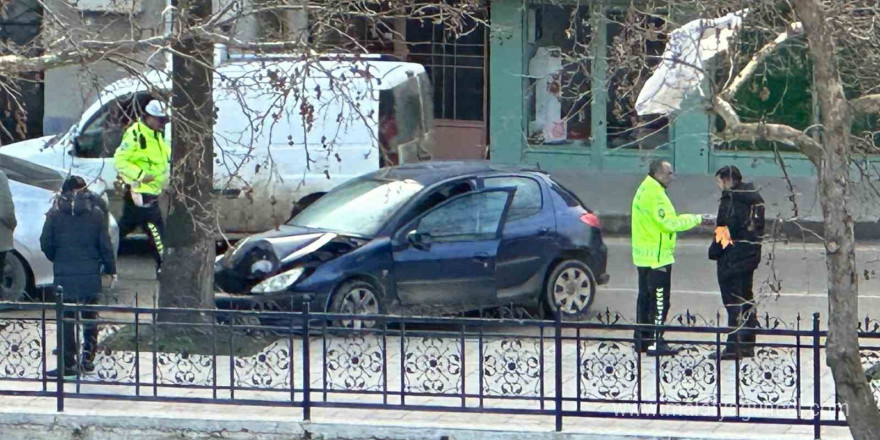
359	207
29	173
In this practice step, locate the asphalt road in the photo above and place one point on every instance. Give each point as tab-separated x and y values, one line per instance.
791	280
798	268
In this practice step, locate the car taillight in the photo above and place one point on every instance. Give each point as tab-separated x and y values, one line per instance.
591	219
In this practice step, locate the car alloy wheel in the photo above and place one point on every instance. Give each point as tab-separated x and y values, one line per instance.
14	279
571	288
357	298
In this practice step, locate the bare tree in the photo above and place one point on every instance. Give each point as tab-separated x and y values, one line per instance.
269	30
189	254
840	43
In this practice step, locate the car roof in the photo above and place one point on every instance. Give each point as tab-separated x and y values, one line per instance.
431	172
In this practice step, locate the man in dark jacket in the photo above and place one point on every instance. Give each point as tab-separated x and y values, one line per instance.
76	240
737	249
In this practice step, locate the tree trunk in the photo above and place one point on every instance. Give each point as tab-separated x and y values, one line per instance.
187	277
842	351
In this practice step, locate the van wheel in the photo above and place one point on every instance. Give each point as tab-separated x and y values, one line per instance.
570	289
15	278
357	297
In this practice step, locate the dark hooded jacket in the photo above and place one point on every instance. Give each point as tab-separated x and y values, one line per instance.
742	211
76	240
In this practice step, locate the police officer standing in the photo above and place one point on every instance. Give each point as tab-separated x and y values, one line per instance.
654	228
143	163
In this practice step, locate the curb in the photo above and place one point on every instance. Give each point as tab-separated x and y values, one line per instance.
66	426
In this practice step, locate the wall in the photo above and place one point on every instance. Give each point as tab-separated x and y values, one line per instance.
689	145
69	90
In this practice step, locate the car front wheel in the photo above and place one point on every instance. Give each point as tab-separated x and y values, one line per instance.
15	279
356	298
570	289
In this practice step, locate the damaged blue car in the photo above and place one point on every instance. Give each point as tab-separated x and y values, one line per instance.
427	238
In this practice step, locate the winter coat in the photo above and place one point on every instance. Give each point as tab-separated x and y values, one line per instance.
143	151
7	215
76	240
655	224
742	211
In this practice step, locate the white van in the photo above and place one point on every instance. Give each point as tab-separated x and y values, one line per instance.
286	130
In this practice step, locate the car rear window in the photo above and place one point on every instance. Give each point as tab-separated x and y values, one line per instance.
570	199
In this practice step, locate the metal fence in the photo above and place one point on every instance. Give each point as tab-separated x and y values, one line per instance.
557	369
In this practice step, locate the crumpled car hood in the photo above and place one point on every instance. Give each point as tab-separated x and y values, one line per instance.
263	255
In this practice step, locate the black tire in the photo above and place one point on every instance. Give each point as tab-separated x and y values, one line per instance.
571	285
357	297
15	279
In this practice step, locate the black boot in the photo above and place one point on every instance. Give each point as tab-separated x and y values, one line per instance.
661	348
69	373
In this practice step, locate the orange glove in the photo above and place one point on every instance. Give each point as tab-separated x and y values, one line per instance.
722	235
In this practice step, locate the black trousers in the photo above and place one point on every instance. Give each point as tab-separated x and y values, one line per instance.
71	340
652	306
738	299
148	218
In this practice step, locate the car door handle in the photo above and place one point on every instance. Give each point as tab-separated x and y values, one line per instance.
482	259
543	231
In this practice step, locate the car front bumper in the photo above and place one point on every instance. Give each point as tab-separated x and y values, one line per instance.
282	301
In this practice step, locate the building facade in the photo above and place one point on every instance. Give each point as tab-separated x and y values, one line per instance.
601	133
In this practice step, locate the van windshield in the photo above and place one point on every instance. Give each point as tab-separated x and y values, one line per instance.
359	207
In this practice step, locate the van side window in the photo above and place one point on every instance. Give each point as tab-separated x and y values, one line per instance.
101	136
527	201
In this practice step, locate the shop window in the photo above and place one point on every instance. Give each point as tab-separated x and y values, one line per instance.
455	59
455	64
559	66
635	47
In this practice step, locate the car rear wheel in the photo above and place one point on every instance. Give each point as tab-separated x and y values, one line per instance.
357	298
15	279
570	289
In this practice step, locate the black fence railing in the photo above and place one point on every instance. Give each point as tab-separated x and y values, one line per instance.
308	360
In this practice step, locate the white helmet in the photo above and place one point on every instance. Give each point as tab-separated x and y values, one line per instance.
157	109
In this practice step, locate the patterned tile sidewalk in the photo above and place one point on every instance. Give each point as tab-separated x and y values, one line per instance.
598	370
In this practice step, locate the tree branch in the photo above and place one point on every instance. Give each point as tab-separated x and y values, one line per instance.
796	29
91	51
86	52
866	104
775	133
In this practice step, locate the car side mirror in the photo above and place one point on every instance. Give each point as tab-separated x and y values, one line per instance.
76	145
419	240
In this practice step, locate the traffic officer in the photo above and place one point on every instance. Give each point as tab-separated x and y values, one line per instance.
143	164
654	227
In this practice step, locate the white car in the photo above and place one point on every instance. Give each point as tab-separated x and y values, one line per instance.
33	188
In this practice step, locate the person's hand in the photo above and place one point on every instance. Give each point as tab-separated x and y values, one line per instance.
708	219
148	178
